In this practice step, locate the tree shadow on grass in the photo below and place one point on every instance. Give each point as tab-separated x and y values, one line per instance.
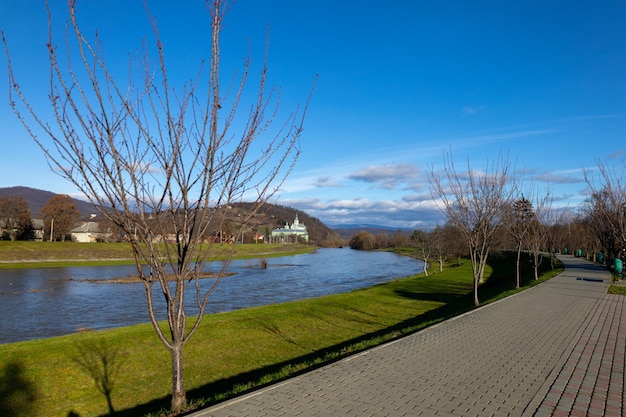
430	296
205	395
17	393
503	272
100	361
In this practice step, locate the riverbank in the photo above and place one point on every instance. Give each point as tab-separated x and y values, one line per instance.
237	351
105	297
21	254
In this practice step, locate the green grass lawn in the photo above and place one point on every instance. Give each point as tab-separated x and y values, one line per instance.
617	289
21	254
236	351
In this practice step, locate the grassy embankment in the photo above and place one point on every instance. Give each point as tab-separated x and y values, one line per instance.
61	254
237	351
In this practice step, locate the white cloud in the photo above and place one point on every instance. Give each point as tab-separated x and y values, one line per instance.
329	181
391	213
387	176
570	176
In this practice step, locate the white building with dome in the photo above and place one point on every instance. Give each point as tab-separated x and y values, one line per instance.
293	233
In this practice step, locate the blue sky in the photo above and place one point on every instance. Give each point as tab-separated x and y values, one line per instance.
400	84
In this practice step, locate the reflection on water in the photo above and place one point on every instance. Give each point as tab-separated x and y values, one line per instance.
45	302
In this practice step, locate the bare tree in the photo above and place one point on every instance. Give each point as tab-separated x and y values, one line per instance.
606	209
363	241
155	156
583	235
519	220
451	243
537	237
440	242
526	216
15	221
445	244
424	242
473	203
596	212
399	239
555	223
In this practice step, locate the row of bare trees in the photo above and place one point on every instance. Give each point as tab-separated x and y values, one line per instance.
478	204
442	244
493	208
601	222
365	240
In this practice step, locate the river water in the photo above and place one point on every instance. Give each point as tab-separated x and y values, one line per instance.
46	302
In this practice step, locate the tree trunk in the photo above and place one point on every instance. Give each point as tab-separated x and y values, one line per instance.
536	259
517	273
179	396
476	272
476	302
480	268
482	259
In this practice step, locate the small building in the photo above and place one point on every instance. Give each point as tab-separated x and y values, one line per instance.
293	233
89	232
38	226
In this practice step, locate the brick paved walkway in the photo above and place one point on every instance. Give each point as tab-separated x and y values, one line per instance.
591	380
556	349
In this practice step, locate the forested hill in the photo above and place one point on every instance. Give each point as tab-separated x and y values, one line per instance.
38	198
275	216
270	216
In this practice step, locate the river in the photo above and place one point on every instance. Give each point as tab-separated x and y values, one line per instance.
46	302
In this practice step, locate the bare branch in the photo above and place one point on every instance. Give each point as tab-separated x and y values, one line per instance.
162	161
473	203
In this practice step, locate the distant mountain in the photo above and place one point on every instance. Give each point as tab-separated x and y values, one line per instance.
346	231
367	226
38	198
